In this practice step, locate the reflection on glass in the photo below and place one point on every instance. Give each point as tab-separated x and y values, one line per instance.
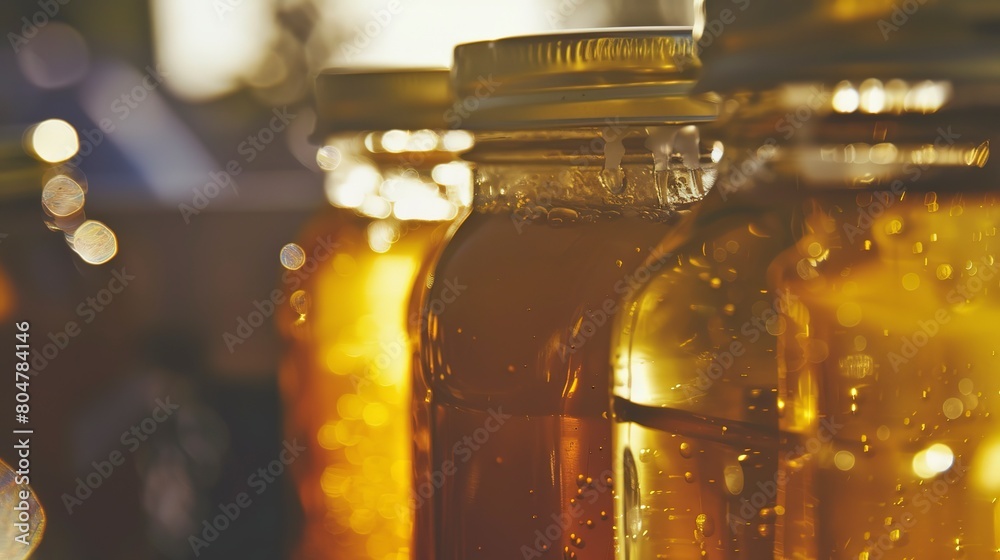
346	379
815	377
346	376
579	170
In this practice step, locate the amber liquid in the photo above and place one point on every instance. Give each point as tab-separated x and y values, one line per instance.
856	420
346	385
526	336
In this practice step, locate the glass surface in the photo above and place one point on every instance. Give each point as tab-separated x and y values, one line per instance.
815	377
515	339
346	377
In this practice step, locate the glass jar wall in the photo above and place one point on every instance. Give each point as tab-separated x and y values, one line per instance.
814	376
585	152
396	188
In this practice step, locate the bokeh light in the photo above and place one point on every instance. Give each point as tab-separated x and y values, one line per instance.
52	141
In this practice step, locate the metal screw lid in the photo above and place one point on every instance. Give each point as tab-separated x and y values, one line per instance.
640	76
351	100
754	45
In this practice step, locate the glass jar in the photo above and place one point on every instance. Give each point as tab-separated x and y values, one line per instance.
586	149
814	377
396	187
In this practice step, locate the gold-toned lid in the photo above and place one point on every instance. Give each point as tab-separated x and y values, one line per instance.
758	45
352	100
640	76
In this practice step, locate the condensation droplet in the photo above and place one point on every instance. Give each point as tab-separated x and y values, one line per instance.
704	525
685	450
563	215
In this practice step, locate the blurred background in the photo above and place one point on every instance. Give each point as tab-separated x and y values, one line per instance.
193	118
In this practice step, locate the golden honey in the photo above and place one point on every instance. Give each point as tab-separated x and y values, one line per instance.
813	375
579	170
395	187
